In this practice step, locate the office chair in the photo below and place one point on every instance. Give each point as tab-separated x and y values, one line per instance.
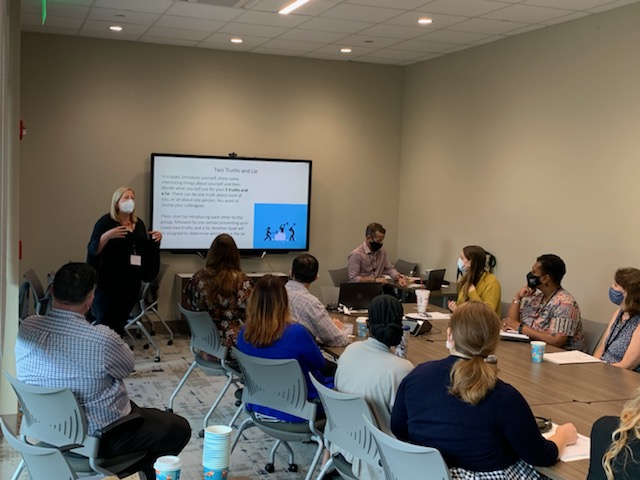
148	303
205	337
31	286
406	268
401	460
345	429
280	385
54	417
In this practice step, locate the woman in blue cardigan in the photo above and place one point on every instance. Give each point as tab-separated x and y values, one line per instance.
483	427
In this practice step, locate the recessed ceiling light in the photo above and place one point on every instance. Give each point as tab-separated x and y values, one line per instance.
345	50
115	28
236	40
425	21
292	6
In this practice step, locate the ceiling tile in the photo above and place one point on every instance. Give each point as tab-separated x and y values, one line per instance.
335	48
439	20
368	41
469	8
119	16
99	26
57	10
526	14
189	23
248	29
361	13
315	7
293	45
177	33
225	39
392	31
487	26
211	12
450	36
401	4
312	36
567	4
273	19
609	6
423	47
566	18
331	25
149	6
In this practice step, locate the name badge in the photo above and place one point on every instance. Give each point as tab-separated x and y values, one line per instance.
136	260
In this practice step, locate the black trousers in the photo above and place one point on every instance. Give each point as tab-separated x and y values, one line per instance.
160	433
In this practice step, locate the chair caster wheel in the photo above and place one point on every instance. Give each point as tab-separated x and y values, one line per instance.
201	434
152	333
131	347
270	468
293	467
170	342
146	346
238	403
156	359
170	410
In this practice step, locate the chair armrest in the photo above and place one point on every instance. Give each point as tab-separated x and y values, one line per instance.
71	446
130	420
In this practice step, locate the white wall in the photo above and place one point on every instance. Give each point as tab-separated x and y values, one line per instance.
96	109
527	146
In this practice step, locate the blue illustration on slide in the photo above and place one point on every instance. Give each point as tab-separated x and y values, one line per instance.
279	225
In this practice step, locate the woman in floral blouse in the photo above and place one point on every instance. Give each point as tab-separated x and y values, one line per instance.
221	288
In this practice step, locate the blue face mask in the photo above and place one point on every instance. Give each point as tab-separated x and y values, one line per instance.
615	296
461	266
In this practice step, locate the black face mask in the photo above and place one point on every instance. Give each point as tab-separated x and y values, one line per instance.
375	246
532	280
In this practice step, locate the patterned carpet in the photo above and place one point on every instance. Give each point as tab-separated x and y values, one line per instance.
151	385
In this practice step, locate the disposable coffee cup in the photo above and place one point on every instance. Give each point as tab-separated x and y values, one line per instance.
537	351
216	473
422	296
168	467
361	323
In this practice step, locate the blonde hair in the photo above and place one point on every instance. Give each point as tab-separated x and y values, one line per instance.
115	198
267	312
628	430
475	329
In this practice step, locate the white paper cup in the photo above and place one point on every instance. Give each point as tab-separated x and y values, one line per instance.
422	297
168	467
216	449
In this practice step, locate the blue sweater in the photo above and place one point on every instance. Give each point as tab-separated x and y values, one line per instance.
296	343
492	435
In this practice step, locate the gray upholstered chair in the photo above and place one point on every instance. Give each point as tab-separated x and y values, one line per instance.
405	267
401	460
205	337
279	385
345	429
593	332
53	416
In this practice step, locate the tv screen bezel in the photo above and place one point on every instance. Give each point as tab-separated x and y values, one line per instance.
245	252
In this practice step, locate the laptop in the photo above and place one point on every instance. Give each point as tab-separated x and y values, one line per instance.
433	278
417	327
358	295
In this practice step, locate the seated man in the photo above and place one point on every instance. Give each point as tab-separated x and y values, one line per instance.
62	349
305	307
369	262
544	310
370	369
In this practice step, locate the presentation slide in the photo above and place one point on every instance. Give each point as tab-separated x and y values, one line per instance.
262	203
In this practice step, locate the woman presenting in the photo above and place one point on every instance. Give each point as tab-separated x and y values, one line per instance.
124	254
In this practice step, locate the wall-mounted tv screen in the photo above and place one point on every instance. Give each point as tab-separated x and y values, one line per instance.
262	203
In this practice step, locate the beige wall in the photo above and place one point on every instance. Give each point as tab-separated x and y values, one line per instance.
9	193
96	109
527	146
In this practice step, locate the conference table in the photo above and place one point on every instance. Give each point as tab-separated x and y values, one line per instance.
577	393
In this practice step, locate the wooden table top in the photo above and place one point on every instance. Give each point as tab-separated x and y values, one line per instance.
577	393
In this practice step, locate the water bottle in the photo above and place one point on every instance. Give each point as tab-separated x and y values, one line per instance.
401	349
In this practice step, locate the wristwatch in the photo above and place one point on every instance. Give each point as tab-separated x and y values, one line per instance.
520	327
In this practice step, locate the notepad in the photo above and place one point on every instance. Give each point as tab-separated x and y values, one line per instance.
513	335
578	451
569	357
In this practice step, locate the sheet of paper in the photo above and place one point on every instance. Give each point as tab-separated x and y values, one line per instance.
578	451
428	316
513	335
568	357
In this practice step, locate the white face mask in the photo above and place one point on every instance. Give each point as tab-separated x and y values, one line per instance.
127	206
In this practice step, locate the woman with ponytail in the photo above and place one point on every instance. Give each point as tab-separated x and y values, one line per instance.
371	370
477	283
615	445
483	427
